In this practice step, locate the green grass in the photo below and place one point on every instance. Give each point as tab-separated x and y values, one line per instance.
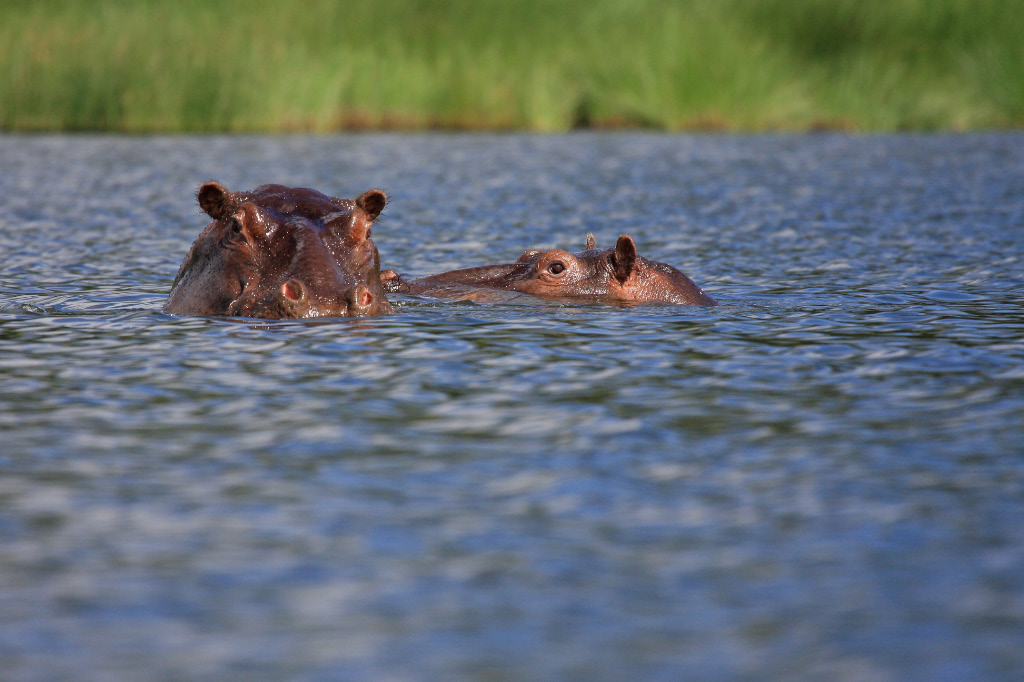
274	66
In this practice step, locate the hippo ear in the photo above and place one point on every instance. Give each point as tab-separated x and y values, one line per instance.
591	243
624	258
214	200
372	202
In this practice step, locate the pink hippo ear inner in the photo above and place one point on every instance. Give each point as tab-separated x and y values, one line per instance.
214	200
624	258
372	203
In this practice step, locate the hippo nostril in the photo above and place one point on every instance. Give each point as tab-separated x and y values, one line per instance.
359	300
293	290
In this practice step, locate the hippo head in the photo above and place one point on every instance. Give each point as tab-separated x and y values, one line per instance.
611	275
279	252
617	275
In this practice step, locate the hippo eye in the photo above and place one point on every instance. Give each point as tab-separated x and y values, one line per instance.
556	268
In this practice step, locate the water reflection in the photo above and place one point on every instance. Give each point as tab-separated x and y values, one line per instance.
819	479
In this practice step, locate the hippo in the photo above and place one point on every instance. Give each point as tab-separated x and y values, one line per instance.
617	275
282	253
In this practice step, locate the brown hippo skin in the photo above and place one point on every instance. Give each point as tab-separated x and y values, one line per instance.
281	252
617	275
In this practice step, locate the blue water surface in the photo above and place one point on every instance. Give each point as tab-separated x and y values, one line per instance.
820	479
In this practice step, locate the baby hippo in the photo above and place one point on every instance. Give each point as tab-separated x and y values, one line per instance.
280	253
617	275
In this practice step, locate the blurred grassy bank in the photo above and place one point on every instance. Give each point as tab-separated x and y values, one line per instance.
275	65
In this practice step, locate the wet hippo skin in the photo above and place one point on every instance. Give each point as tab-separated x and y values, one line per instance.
615	275
280	252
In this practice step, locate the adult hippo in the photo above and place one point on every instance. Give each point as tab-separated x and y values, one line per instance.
282	252
617	275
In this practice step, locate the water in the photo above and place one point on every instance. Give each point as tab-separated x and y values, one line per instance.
821	479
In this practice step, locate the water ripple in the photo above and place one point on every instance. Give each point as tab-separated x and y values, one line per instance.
819	479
